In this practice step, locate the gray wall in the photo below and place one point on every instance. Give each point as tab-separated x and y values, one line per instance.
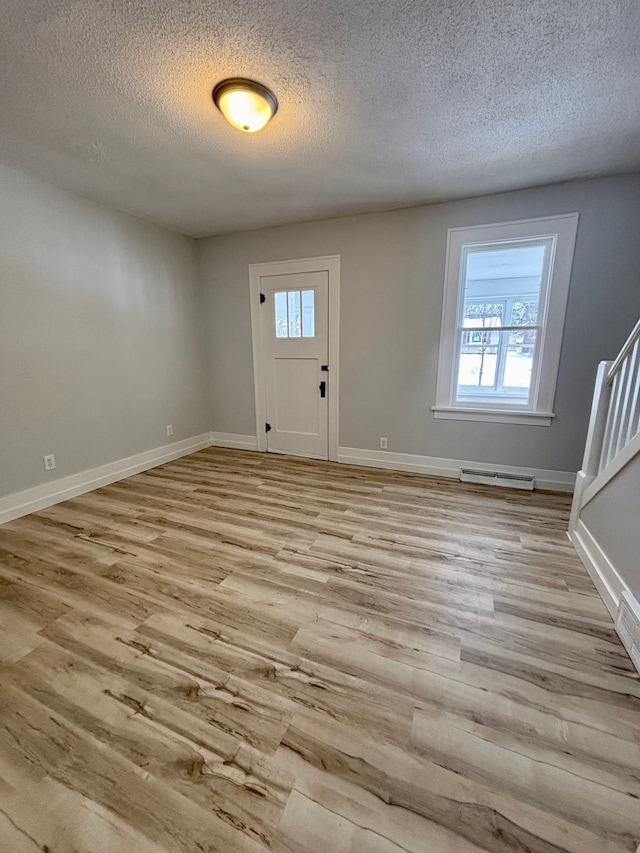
612	519
102	315
98	334
391	302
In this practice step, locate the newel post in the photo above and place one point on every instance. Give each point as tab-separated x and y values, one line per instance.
595	438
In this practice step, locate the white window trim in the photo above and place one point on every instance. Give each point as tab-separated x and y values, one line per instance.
539	411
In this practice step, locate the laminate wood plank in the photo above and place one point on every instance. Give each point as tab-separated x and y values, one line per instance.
472	748
352	597
154	732
320	820
78	588
36	606
306	683
397	637
574	666
19	635
70	755
86	516
494	820
359	820
407	580
439	569
245	652
63	821
598	627
193	684
363	653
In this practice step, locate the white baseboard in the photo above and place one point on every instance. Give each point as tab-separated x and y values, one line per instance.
39	497
230	439
601	570
559	481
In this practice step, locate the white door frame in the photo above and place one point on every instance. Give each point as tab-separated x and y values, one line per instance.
330	264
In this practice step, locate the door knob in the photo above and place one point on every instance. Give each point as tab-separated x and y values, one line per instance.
323	389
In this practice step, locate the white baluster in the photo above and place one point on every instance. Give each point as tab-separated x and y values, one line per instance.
626	390
597	422
605	456
634	399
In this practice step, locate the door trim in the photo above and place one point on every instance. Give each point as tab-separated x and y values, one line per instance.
330	264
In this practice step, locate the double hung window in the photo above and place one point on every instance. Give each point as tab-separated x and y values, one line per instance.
506	290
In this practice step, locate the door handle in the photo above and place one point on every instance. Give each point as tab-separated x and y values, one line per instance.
323	389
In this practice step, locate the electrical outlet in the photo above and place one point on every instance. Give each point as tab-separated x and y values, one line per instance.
49	462
383	443
169	429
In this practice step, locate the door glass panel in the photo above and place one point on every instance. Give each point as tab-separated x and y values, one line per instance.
281	315
295	314
308	314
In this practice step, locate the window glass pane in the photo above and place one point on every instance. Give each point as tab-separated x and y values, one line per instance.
308	314
502	276
521	349
478	360
280	300
295	314
502	286
480	315
496	365
524	313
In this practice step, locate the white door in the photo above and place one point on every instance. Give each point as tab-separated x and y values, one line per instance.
295	351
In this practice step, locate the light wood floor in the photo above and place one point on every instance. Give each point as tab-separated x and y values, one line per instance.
242	652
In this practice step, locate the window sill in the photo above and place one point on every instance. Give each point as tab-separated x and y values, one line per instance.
496	416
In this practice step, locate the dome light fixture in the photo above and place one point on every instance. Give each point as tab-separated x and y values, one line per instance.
246	104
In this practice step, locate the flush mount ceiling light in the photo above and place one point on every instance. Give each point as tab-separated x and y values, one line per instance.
245	104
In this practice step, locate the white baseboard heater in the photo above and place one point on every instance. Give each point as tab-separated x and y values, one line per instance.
497	478
628	626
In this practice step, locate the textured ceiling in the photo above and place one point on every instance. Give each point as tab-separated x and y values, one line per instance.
383	103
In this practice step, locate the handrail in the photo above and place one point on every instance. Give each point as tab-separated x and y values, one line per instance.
615	367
